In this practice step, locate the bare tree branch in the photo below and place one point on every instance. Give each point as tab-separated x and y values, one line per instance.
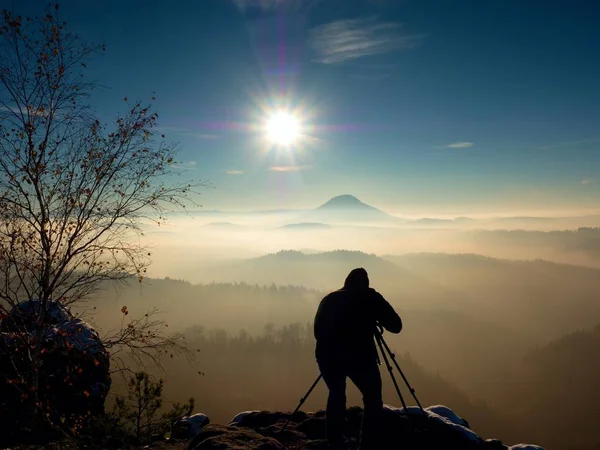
74	192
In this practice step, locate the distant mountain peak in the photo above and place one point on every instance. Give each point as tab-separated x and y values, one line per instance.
345	208
345	201
345	198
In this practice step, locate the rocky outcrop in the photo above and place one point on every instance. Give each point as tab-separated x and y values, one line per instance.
221	437
437	427
189	426
74	379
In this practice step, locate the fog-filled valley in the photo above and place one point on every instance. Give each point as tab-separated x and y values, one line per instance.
507	342
345	222
208	210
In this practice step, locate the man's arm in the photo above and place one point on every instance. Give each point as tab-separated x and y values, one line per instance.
317	326
386	316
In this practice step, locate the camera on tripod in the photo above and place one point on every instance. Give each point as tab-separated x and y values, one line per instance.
383	348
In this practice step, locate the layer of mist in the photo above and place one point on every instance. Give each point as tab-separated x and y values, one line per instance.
501	324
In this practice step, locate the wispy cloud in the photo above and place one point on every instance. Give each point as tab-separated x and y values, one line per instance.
273	5
460	145
288	168
587	181
350	39
571	143
234	172
187	132
186	165
15	109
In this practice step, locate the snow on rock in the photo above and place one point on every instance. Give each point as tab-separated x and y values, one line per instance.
414	428
393	409
55	312
436	427
466	432
446	412
82	336
239	417
441	414
189	426
75	366
525	447
445	415
60	324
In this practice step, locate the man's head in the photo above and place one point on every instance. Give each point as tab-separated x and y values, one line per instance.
357	278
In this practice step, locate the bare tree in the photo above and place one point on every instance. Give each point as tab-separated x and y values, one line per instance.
74	193
142	342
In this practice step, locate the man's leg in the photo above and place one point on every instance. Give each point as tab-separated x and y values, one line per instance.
335	379
367	379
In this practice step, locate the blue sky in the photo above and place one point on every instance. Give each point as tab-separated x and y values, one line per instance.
414	106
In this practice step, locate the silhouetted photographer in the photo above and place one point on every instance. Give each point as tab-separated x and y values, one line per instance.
345	325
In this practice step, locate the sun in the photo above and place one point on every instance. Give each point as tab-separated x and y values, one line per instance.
283	128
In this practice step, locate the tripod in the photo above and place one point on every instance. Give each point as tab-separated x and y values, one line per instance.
383	348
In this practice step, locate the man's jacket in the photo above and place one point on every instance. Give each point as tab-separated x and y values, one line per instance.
345	324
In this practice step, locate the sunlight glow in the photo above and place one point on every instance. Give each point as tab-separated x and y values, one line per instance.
283	128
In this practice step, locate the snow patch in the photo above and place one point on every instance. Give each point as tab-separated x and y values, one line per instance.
189	426
448	417
196	422
240	416
446	412
525	447
439	413
442	414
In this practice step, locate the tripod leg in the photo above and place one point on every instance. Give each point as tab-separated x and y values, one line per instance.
393	356
302	400
389	368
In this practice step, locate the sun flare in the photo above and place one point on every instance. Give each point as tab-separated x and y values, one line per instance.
283	128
